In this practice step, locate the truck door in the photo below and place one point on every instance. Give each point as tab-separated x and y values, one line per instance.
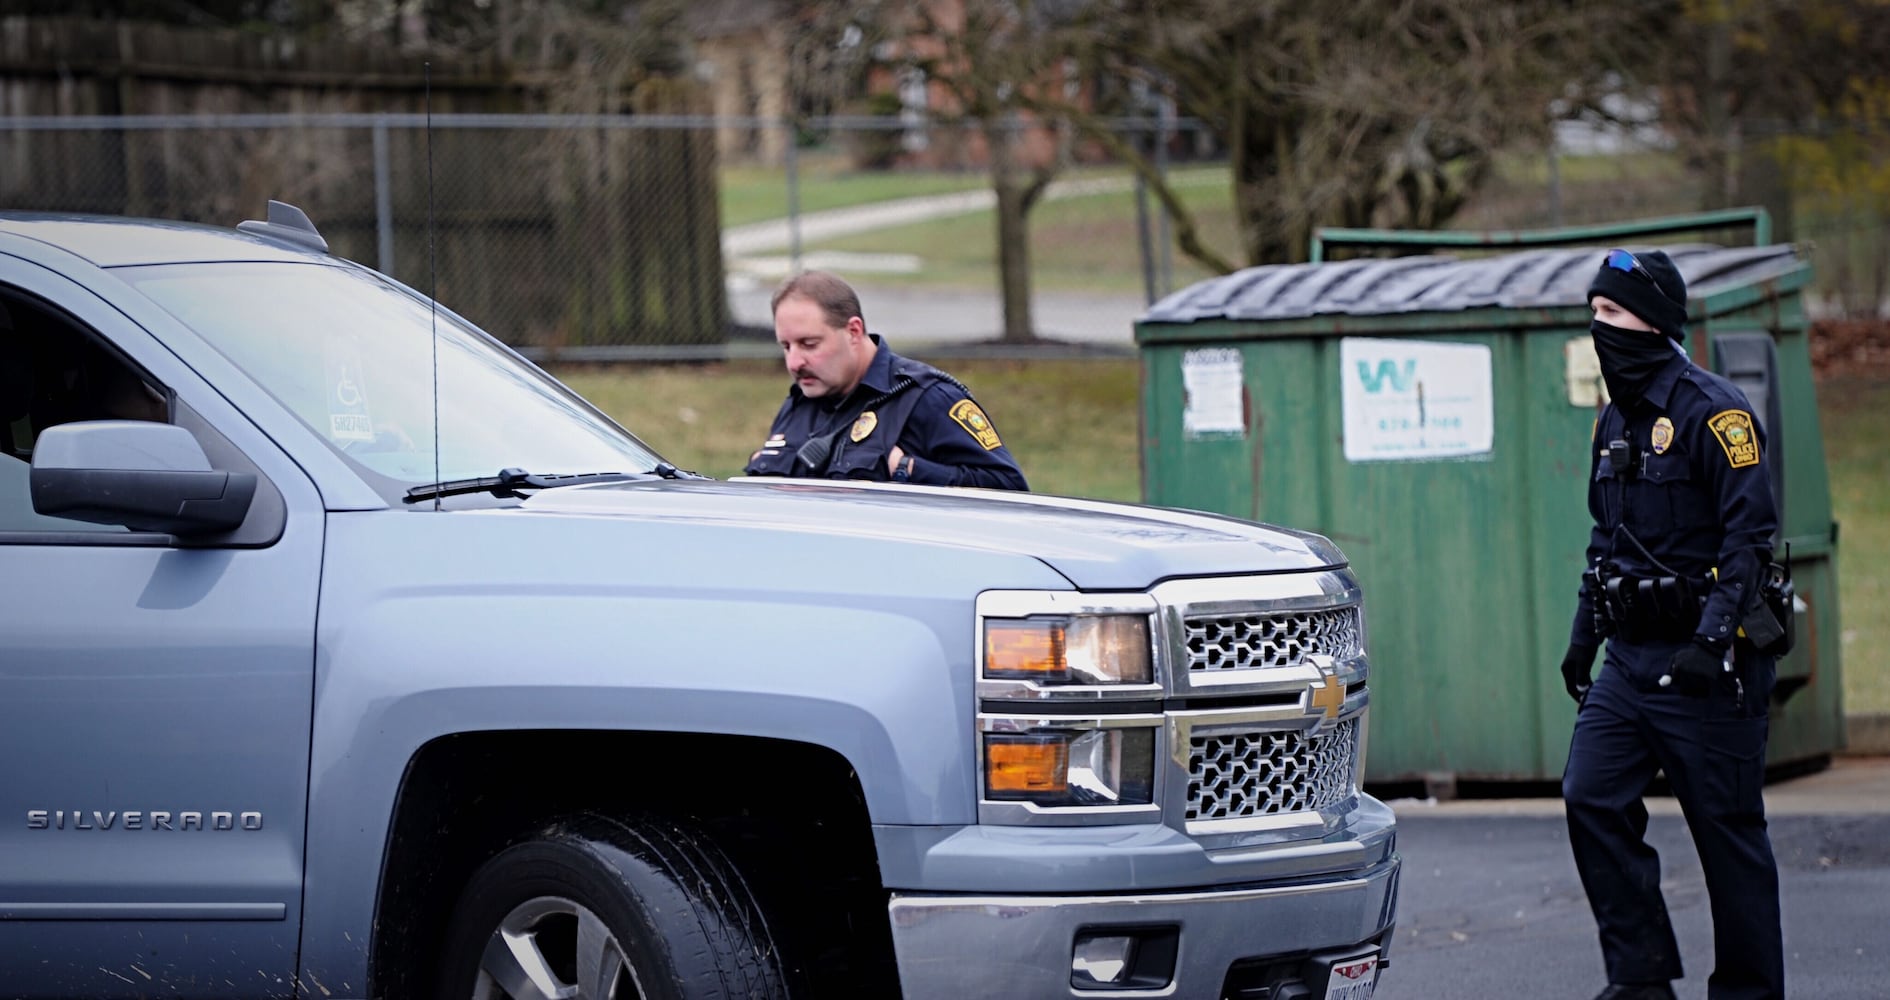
154	695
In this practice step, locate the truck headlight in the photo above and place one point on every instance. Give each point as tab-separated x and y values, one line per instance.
1074	649
1094	767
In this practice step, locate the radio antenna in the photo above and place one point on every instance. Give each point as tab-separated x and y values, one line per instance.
433	285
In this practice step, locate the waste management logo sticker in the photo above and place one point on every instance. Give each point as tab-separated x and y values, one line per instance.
1410	399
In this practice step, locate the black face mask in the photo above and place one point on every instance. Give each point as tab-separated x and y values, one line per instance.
1630	359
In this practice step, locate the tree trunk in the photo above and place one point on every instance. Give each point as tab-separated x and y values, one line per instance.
1013	235
1762	178
1264	196
1717	156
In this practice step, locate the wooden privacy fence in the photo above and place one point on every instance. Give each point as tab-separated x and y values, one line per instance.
551	231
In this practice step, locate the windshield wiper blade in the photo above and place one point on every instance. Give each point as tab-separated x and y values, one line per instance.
509	483
665	470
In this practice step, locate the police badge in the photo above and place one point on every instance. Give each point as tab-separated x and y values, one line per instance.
863	426
1663	435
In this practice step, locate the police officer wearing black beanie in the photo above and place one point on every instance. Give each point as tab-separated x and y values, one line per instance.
1681	497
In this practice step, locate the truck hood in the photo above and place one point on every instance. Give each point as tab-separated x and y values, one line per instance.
1095	545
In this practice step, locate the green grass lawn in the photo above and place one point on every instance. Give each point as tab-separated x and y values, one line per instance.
1533	167
1853	412
1071	424
754	193
1080	243
1090	243
1073	427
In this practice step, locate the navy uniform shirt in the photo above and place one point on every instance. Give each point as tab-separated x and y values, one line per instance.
1699	500
931	417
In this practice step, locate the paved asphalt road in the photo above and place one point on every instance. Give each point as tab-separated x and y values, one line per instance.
1491	907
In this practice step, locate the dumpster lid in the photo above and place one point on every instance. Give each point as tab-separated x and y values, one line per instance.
1531	279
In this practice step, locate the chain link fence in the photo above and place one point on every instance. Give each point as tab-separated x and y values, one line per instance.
606	237
651	236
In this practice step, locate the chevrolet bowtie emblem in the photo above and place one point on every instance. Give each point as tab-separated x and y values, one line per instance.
1327	695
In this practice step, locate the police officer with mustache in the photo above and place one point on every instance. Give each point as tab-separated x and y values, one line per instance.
856	410
1680	492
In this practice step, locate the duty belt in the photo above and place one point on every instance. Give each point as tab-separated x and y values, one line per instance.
1640	608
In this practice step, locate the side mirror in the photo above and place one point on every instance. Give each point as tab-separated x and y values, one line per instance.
145	476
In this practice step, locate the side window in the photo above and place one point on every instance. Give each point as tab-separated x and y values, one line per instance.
54	370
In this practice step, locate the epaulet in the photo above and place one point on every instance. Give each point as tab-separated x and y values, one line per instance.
1716	388
925	374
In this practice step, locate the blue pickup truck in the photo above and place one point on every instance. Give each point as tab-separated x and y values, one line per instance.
345	653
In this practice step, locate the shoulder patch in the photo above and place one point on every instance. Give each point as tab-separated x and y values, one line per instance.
1734	430
973	420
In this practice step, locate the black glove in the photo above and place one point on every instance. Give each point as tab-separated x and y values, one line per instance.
1695	667
1578	665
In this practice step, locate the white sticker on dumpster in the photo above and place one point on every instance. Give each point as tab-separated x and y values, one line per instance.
1410	399
1212	383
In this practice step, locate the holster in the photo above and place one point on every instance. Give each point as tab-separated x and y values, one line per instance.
1771	624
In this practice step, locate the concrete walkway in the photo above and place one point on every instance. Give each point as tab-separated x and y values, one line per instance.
1851	786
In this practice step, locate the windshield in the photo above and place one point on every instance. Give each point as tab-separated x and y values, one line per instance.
351	354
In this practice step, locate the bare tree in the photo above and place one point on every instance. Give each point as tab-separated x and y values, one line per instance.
1360	112
1004	69
1732	76
830	50
1002	62
1774	103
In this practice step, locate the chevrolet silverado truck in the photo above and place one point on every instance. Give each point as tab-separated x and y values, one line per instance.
345	653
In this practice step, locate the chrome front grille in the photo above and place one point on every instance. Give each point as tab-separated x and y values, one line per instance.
1256	708
1266	640
1259	772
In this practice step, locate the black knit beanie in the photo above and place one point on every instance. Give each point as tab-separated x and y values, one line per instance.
1664	308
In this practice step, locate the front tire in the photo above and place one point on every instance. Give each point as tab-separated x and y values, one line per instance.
607	909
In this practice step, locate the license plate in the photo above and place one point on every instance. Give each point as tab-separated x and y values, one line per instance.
1353	979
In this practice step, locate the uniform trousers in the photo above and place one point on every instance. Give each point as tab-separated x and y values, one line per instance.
1712	750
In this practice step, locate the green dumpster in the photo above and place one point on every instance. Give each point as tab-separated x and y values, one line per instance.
1432	414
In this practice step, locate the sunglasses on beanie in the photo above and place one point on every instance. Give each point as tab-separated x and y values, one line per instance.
1621	260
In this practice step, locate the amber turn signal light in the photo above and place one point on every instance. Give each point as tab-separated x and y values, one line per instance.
1025	649
1026	767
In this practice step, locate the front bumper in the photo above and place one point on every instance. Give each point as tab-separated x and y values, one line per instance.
950	947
